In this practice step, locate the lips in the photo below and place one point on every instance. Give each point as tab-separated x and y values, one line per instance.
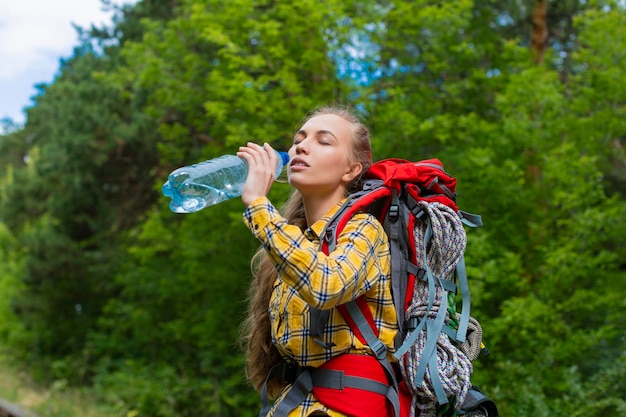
298	162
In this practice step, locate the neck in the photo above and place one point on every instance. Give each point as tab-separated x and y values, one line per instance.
316	206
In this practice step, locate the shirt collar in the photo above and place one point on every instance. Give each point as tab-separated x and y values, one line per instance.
318	227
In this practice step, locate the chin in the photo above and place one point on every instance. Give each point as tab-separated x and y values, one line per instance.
300	186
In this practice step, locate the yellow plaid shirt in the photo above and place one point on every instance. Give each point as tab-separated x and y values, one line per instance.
358	265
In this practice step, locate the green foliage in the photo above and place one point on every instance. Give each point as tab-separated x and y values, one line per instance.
102	284
85	181
161	391
10	287
78	175
214	84
182	296
604	393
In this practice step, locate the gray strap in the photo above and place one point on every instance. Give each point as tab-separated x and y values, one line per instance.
416	328
319	318
337	380
298	392
447	285
401	280
413	269
452	196
379	348
329	378
334	379
277	371
399	263
465	295
471	220
329	232
433	370
433	328
410	339
265	404
450	332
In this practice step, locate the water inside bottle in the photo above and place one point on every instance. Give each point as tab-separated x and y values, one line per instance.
195	197
189	198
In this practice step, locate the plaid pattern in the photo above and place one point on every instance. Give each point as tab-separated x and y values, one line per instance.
359	265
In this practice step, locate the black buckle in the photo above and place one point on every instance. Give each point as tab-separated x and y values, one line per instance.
420	274
394	212
417	212
394	208
291	371
411	323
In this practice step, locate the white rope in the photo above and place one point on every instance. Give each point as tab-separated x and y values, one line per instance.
445	250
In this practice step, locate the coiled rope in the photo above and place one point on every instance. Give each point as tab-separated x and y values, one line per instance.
445	249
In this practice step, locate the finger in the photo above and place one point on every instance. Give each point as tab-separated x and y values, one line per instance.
271	153
246	154
251	153
255	148
272	159
258	159
265	157
259	154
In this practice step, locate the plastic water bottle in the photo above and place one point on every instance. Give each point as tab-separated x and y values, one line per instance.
207	183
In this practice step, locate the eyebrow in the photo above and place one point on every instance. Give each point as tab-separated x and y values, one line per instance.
318	133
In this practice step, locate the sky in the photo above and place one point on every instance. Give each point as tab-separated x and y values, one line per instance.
34	36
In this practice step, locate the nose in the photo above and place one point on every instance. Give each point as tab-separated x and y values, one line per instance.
302	147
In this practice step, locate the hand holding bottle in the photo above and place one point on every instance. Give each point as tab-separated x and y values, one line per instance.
262	166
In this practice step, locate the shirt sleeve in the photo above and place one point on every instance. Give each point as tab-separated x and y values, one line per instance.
322	281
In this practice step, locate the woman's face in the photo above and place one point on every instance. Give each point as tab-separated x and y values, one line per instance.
319	159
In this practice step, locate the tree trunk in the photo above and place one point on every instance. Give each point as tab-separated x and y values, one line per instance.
539	32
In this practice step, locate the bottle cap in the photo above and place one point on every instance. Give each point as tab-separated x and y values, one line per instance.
284	157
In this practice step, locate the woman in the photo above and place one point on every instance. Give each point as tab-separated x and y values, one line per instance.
293	276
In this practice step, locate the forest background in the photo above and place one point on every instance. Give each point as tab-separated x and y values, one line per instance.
523	101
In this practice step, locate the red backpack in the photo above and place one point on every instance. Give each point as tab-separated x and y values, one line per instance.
416	204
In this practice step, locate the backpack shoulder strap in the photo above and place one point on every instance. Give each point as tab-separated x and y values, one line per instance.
356	202
360	319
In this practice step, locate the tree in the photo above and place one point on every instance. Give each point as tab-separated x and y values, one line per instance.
88	178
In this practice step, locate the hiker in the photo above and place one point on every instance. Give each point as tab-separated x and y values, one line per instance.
294	278
352	309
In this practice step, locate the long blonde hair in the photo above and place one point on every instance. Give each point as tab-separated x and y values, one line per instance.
261	354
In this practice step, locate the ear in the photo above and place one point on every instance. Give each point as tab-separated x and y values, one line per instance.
354	170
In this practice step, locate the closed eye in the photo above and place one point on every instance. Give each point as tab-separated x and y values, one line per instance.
297	139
